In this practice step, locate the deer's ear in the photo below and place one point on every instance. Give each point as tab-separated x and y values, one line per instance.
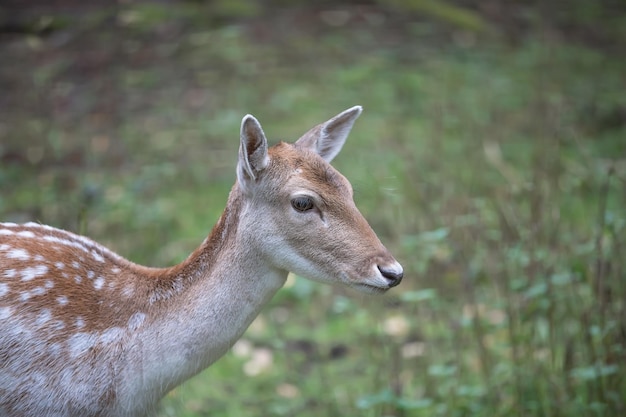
327	139
252	151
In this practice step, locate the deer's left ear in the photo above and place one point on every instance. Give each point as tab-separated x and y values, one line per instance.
327	139
252	152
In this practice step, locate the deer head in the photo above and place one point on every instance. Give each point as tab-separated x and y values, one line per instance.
307	221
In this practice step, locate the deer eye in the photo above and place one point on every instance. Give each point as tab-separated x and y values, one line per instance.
302	204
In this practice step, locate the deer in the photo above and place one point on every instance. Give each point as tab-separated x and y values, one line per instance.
86	332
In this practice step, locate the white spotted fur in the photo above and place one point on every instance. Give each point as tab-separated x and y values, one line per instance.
84	332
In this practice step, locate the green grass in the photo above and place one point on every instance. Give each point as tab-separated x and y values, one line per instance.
496	174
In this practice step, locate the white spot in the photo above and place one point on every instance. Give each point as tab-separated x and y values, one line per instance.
57	325
80	322
5	312
9	224
97	256
10	273
111	335
116	270
136	320
38	378
91	274
25	233
4	247
6	232
128	291
62	300
64	275
101	249
33	224
48	284
20	254
98	283
4	289
55	349
80	343
25	296
43	317
68	379
80	242
54	239
18	329
32	272
38	291
39	258
76	265
59	265
78	279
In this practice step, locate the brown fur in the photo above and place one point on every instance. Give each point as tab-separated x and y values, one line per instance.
86	332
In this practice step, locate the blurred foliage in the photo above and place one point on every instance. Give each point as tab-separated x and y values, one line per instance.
490	158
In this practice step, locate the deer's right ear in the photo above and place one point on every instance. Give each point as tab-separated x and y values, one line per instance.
252	151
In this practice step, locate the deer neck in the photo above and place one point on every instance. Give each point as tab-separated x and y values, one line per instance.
208	300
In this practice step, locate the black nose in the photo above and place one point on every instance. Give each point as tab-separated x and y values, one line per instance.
392	273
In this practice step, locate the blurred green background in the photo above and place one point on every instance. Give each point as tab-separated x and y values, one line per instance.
490	158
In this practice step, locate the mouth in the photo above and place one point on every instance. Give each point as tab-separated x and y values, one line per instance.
370	289
364	285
